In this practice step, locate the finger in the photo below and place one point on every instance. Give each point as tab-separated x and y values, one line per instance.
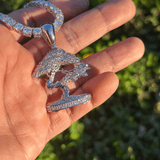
116	57
34	17
92	25
86	28
112	59
100	87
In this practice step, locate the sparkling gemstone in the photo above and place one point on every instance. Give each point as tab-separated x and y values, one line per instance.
5	18
27	31
57	11
41	4
36	5
46	3
18	27
31	4
60	17
59	23
56	27
37	32
1	16
11	23
53	8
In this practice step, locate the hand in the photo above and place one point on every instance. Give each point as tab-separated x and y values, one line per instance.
25	124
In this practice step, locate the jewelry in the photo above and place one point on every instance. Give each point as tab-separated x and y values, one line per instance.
52	62
29	31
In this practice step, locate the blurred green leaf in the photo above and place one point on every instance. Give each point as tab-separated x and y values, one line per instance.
158	4
76	129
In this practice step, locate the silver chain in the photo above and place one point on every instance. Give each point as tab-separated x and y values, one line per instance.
37	31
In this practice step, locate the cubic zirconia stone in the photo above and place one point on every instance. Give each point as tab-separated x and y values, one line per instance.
60	17
46	3
56	27
31	4
1	16
11	23
18	27
47	6
27	31
36	5
41	4
59	23
57	11
39	0
37	32
6	19
53	8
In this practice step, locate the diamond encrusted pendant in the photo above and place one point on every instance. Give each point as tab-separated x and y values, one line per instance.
51	64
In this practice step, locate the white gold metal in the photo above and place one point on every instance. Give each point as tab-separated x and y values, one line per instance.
18	27
71	102
11	23
50	65
36	32
48	33
27	31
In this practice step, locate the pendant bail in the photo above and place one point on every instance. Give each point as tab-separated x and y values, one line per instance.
48	33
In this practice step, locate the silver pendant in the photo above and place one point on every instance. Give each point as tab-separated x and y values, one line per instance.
51	64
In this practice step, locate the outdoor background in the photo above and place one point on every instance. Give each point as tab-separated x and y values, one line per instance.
127	126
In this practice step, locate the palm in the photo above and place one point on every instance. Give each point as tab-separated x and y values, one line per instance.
26	125
25	116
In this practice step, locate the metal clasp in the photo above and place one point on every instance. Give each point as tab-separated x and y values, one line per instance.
48	33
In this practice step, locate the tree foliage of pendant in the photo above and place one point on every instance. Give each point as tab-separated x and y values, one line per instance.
50	65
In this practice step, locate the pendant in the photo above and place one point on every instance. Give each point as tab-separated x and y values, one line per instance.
51	64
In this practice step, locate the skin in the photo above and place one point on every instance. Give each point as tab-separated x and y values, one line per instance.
25	124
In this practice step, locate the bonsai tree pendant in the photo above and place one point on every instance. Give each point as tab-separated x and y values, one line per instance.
51	64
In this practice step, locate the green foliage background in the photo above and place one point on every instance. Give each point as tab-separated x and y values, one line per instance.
127	126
